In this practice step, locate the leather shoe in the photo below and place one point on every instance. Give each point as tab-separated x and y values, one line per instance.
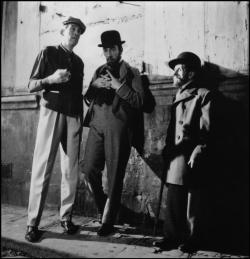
69	227
105	229
33	234
189	247
166	244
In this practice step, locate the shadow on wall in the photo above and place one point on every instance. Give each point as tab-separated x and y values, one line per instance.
226	192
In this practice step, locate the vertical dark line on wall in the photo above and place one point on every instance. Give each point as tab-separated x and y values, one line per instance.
3	13
2	3
39	30
205	30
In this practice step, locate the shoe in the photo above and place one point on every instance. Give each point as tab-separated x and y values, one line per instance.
69	227
189	247
33	234
105	229
166	244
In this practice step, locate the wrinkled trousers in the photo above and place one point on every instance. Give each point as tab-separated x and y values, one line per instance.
109	141
54	129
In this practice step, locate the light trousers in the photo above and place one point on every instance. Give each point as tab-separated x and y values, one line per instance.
54	129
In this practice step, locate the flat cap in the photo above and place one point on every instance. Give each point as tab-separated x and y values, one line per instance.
77	21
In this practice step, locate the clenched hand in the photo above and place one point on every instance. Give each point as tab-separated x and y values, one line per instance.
59	76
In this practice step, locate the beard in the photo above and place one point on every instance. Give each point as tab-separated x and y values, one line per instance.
178	82
113	62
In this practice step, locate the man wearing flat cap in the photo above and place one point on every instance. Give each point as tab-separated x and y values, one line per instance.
185	153
115	96
58	73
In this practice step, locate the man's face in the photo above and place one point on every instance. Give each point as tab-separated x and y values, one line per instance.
72	34
181	75
112	54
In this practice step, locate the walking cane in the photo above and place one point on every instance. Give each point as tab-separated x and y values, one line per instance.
163	178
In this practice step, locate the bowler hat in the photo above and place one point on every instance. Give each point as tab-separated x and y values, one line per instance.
110	38
187	58
77	21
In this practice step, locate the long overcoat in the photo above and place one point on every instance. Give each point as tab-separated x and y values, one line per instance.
188	135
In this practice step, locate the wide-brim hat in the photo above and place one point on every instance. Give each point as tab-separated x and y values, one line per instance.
110	38
77	21
187	58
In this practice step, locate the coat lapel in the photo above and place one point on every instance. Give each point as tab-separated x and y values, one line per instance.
186	94
124	69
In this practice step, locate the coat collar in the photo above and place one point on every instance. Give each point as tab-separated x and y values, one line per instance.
188	91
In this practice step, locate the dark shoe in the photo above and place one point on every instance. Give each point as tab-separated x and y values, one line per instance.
105	229
166	244
33	234
189	247
69	227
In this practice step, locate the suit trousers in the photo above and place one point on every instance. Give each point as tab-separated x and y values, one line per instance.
108	142
54	128
182	217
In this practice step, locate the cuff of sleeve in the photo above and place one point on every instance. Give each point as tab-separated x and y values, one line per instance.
44	85
123	90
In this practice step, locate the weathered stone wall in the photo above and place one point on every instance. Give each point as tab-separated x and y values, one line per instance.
19	119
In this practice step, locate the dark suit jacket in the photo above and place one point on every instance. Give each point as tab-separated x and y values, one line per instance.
128	101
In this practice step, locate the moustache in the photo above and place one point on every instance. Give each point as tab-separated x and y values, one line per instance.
110	60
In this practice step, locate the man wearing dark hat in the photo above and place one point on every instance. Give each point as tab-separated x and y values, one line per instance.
184	154
115	96
58	73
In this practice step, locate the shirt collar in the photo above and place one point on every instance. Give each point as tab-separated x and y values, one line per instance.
66	50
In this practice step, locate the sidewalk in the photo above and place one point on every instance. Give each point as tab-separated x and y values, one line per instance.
125	243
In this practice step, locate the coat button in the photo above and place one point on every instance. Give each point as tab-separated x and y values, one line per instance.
180	122
178	137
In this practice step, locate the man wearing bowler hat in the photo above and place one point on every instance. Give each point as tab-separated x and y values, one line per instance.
185	154
115	96
58	73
